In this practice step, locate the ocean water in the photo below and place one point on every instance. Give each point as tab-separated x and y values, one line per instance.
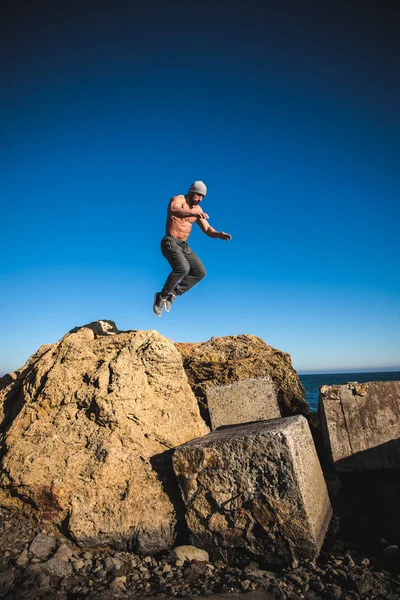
312	383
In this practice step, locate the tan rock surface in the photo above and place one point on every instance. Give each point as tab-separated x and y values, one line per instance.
255	491
83	426
223	360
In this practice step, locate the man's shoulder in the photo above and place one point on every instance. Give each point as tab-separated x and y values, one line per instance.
179	197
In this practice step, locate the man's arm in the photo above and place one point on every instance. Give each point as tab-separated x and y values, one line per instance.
179	208
211	232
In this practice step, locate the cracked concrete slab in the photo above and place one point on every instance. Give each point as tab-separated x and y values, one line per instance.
255	491
361	425
242	402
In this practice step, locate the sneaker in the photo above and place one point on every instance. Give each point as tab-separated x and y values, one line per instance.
171	298
159	303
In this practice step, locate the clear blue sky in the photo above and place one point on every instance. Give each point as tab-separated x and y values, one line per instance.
288	111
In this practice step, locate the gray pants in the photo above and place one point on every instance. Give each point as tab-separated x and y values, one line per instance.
187	268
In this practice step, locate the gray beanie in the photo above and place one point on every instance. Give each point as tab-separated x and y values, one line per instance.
198	187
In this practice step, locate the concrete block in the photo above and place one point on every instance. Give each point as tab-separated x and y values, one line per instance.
242	402
255	492
361	425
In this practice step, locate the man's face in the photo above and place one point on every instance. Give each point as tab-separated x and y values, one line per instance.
196	198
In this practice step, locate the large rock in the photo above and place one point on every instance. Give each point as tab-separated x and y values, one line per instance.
224	360
255	491
84	426
361	425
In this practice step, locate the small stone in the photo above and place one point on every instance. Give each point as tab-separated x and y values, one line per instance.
42	546
42	581
7	579
189	553
179	563
79	564
195	569
117	586
246	585
270	574
113	563
23	559
349	561
64	552
295	579
57	568
252	566
337	562
98	568
87	555
334	591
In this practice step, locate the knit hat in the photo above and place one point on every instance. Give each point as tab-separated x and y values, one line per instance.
198	187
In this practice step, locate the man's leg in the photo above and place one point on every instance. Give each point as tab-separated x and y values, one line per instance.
195	274
174	254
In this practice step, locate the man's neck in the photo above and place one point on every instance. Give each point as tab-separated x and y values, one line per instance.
189	202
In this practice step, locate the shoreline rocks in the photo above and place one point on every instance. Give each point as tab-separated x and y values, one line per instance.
342	571
90	427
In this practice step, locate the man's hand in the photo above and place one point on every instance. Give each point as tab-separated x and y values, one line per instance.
225	236
201	215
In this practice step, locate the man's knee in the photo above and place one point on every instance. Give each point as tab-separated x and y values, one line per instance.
200	273
181	272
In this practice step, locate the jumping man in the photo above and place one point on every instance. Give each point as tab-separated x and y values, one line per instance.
187	268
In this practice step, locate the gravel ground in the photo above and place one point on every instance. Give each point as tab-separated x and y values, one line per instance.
35	563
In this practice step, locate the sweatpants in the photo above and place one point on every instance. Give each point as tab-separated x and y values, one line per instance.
187	268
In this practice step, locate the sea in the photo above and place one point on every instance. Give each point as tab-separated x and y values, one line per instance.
312	383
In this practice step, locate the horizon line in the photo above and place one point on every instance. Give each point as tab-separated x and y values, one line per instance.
338	372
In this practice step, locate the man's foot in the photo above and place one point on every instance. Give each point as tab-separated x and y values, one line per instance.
159	303
171	298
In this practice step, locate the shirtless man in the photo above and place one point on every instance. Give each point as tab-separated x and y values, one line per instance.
187	268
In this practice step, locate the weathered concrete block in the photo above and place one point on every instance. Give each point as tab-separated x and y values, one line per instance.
361	425
242	402
255	491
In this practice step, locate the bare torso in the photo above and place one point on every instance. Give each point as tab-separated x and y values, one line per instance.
180	227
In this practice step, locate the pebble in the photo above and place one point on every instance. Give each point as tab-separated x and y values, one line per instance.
246	585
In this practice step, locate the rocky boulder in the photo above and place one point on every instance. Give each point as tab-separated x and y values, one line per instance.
224	360
84	427
255	492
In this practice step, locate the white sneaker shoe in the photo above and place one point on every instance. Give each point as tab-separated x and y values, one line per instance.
171	298
159	304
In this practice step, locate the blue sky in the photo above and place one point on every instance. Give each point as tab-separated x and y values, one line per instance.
288	113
